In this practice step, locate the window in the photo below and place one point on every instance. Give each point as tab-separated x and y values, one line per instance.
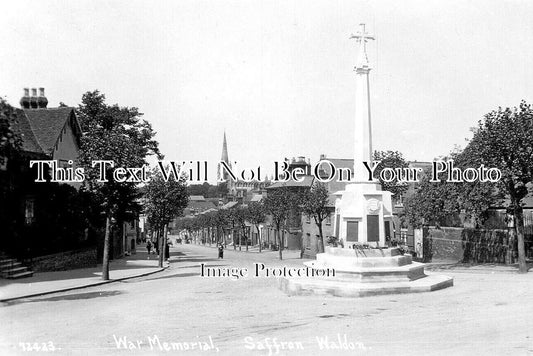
28	211
328	220
307	219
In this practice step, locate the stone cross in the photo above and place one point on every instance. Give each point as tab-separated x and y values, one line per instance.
362	37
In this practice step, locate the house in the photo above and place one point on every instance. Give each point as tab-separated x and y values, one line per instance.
48	133
310	231
42	218
292	228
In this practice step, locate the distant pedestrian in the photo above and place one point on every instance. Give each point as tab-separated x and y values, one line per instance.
220	251
149	247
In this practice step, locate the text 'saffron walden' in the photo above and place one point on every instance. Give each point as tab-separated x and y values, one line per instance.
196	171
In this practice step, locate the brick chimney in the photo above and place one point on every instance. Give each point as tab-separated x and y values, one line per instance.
41	100
33	99
25	100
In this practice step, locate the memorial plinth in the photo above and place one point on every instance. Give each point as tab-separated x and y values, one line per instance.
365	272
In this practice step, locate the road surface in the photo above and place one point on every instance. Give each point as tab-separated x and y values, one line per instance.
177	312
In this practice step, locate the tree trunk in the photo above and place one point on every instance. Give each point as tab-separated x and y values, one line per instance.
302	248
280	244
320	238
259	239
246	239
240	241
509	258
105	262
161	248
519	214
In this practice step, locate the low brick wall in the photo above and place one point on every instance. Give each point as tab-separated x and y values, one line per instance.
65	261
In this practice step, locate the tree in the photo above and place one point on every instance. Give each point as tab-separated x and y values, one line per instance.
256	216
504	140
233	221
241	215
164	201
433	203
315	204
278	204
11	177
391	159
201	221
10	141
211	221
220	222
117	134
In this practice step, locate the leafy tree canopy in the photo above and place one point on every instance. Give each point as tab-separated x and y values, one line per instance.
394	160
115	133
10	141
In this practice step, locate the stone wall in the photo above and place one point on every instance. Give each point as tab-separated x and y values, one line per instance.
466	245
445	243
65	261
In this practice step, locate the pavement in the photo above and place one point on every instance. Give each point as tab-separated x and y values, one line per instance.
137	265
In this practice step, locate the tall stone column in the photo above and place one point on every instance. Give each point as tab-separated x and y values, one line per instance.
363	212
363	123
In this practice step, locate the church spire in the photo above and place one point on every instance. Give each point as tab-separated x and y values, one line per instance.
223	175
224	157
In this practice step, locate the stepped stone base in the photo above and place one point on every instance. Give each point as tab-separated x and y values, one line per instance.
365	273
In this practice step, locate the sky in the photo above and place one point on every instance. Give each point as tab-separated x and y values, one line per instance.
277	76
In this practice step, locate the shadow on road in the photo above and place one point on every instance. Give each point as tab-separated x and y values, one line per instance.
178	275
77	296
199	259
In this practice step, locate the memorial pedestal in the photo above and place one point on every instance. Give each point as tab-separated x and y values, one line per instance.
369	272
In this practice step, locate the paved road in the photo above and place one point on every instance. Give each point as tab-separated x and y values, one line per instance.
489	314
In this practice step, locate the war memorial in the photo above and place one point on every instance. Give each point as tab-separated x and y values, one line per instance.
363	213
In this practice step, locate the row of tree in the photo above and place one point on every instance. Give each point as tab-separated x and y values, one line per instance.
279	206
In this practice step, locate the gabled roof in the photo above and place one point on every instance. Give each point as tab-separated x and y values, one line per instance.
200	205
307	181
208	211
47	124
229	205
23	128
40	129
